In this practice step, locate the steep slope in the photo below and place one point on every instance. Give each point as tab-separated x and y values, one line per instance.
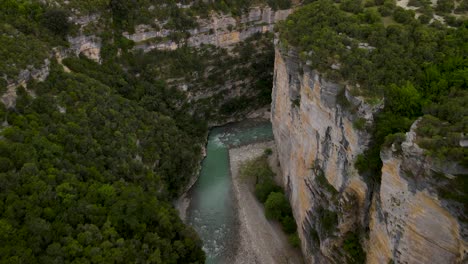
409	221
317	146
361	189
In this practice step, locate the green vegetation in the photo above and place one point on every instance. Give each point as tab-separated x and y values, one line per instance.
415	67
25	39
314	238
359	124
439	130
455	190
328	220
92	182
56	21
353	248
277	206
322	180
89	165
260	170
208	68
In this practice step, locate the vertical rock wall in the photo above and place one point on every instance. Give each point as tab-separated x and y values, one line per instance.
403	220
317	147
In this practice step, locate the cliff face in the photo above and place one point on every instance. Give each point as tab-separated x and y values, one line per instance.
234	62
318	145
220	30
410	223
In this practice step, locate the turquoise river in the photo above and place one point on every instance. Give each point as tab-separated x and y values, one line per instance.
212	210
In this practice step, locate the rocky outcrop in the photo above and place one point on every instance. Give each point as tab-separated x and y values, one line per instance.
89	46
409	222
219	30
30	73
403	219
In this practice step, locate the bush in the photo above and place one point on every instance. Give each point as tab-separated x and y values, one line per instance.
396	138
425	19
359	124
294	240
353	6
445	6
289	224
403	16
277	206
328	220
264	188
279	4
56	21
352	246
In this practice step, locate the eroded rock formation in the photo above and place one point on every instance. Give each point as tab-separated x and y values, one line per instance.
220	30
401	220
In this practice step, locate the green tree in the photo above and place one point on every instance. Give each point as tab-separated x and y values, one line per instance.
276	206
403	100
56	20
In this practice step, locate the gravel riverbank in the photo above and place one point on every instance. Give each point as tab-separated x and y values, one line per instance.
260	240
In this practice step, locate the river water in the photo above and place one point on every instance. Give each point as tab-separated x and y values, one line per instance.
212	210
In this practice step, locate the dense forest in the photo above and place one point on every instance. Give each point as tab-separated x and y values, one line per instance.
92	157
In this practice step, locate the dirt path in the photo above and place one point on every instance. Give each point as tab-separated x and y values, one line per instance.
261	241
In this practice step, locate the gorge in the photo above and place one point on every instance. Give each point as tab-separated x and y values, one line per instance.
115	110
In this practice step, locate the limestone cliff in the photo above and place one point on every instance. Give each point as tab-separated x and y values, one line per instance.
220	30
410	223
402	220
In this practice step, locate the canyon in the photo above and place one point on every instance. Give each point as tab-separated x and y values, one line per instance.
320	128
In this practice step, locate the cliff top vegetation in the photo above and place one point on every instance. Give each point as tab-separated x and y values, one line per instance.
419	68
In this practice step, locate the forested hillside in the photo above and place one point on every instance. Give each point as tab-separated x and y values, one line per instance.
91	157
93	152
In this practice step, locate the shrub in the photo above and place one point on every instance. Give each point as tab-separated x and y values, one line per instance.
56	21
3	86
279	4
264	188
289	224
328	220
353	6
425	19
359	124
403	16
276	206
353	248
294	240
314	237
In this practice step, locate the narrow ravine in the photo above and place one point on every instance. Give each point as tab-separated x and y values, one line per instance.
212	210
